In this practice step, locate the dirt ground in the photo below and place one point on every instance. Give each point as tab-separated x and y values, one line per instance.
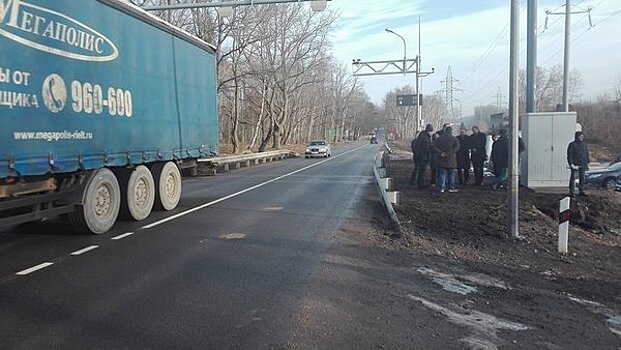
455	281
466	233
472	225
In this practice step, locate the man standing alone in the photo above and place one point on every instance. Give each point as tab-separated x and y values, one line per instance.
478	154
421	151
446	147
578	160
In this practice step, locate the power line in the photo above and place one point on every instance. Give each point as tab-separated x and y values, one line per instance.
501	35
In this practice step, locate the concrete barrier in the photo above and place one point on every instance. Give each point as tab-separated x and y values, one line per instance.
385	187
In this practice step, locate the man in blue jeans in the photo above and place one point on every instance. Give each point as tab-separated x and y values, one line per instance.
445	148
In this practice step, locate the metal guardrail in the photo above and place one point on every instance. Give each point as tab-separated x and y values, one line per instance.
236	161
384	185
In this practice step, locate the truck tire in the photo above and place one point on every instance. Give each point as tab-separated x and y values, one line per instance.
102	201
167	185
137	192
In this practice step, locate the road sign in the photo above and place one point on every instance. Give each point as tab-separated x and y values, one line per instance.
408	100
405	100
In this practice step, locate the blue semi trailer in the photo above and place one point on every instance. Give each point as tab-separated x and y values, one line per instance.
102	107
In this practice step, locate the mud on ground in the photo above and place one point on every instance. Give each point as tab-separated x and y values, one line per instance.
471	225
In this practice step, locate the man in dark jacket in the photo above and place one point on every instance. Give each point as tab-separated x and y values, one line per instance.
463	157
434	157
500	158
421	151
446	147
478	154
578	160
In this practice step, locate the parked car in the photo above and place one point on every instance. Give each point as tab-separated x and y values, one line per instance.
319	148
606	177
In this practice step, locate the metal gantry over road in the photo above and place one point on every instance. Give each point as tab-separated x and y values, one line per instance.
317	5
391	67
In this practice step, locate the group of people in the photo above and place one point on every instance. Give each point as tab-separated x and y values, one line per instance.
450	158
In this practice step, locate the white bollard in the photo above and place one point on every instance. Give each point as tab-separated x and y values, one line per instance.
563	225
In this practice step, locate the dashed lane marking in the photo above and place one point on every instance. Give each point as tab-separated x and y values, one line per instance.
252	188
34	268
85	250
116	238
230	236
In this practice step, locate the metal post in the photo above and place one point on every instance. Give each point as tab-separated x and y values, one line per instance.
531	66
419	108
563	225
566	59
514	64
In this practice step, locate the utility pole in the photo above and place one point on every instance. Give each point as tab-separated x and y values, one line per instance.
566	56
514	65
531	56
567	15
419	86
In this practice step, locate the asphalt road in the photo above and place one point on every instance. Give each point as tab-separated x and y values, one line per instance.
229	268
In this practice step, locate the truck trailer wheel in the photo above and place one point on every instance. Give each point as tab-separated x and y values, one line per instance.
167	184
102	200
138	193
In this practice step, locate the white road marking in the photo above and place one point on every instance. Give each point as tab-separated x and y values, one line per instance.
252	188
448	282
273	208
116	238
451	282
34	268
85	250
233	236
484	326
614	319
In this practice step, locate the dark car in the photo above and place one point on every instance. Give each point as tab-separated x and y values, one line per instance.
606	177
373	139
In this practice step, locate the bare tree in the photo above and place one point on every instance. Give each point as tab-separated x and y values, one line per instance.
277	82
549	87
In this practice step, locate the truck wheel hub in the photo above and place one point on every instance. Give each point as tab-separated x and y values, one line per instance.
141	193
103	200
171	186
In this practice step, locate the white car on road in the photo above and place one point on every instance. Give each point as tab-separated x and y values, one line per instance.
319	148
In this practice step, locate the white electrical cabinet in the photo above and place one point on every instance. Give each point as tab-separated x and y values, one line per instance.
546	135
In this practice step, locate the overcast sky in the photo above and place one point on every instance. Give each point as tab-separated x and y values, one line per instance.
473	38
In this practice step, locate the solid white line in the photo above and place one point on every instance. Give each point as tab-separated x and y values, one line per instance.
34	268
87	249
122	236
252	188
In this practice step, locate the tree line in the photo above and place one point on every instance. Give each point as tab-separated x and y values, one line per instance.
277	81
